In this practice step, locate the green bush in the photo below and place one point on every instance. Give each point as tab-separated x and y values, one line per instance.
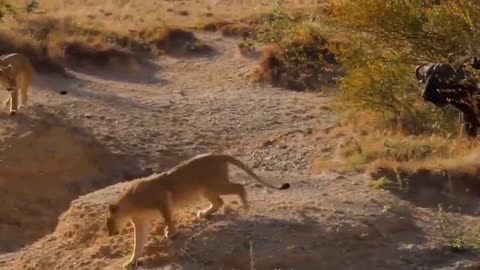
298	58
387	39
6	9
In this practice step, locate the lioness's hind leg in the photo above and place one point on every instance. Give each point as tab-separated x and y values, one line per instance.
23	92
236	189
6	102
13	102
166	210
216	203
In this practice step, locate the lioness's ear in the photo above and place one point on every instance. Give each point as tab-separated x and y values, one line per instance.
112	208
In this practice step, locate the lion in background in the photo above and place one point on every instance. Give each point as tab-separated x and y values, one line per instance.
16	74
205	175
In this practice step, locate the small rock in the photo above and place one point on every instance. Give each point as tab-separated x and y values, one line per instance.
257	185
268	142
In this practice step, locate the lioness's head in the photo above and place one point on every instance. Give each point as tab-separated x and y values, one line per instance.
115	220
7	78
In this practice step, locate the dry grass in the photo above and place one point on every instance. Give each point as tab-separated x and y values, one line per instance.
355	153
298	60
458	175
280	69
295	55
106	33
435	167
80	54
112	29
180	42
52	42
37	52
247	49
212	26
241	28
182	13
361	141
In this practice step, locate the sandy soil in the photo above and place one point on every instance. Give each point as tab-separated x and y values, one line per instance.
112	128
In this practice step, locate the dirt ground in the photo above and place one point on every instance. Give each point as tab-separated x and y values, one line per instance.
111	128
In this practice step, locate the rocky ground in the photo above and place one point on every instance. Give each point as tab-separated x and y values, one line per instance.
112	128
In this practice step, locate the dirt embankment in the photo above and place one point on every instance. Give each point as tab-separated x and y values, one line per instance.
46	162
325	221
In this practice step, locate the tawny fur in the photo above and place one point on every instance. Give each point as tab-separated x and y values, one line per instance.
205	175
16	74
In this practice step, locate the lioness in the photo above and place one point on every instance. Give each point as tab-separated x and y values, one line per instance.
16	73
205	175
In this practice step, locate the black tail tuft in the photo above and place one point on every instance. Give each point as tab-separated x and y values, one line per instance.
285	186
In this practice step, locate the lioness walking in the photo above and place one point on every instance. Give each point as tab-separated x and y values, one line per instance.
16	74
206	175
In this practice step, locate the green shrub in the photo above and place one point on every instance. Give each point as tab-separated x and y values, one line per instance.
6	9
387	39
298	57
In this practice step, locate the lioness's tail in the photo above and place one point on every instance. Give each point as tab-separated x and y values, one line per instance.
242	166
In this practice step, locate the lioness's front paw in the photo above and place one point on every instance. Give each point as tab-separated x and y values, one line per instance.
204	214
130	265
169	233
201	214
12	112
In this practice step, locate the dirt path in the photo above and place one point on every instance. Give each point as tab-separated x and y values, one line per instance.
194	105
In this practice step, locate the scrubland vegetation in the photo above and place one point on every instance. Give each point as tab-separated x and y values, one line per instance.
383	41
55	41
368	48
360	55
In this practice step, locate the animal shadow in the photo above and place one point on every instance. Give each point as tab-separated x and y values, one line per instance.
236	242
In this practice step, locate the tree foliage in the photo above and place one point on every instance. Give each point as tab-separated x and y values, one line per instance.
298	56
5	9
387	38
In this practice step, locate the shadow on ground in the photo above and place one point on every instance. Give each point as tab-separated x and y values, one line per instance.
75	87
456	191
46	162
143	72
307	243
